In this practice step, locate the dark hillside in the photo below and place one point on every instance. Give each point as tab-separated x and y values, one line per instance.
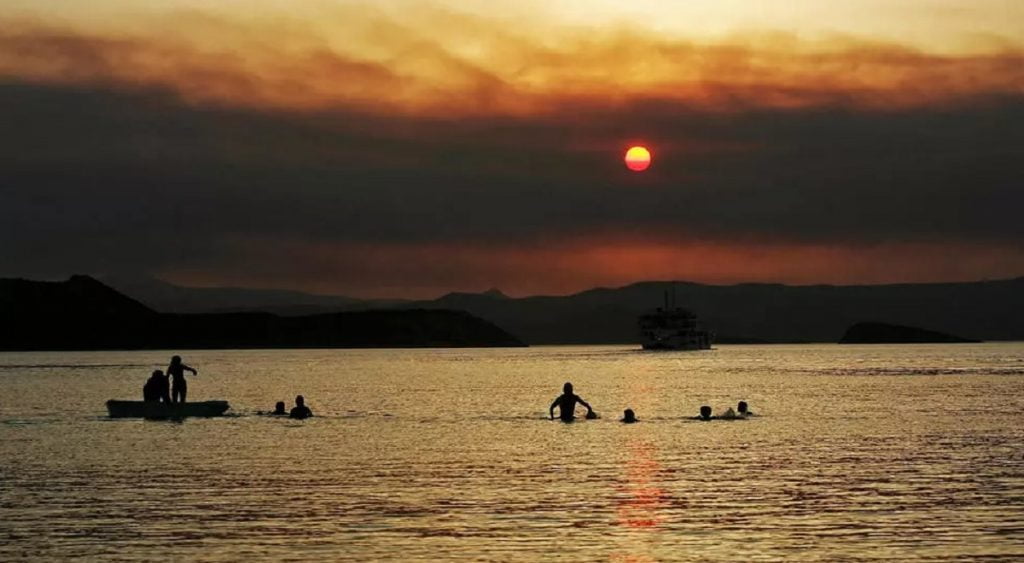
84	314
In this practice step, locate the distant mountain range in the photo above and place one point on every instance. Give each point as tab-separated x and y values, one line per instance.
84	314
986	310
170	298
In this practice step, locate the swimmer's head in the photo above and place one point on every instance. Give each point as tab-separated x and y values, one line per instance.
705	412
279	407
567	388
742	407
628	416
300	400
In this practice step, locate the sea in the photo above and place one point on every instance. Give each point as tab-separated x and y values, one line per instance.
854	453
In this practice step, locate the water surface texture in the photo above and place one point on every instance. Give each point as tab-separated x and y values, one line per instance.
858	453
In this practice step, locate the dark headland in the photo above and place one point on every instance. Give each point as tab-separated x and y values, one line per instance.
84	314
883	333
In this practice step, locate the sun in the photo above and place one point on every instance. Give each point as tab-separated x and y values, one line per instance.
638	158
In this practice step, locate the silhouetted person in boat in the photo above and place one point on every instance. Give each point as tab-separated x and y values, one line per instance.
177	372
300	410
628	416
150	393
156	388
705	413
279	408
566	404
164	387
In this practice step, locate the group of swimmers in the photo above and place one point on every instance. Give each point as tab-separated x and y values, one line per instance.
159	389
566	403
299	411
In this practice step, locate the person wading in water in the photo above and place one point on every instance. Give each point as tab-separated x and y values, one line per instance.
179	387
566	404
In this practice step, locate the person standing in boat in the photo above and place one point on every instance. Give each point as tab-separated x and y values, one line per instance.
179	387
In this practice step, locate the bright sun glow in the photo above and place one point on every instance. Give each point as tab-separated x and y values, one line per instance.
638	158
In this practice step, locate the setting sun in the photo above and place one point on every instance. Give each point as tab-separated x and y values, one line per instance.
638	158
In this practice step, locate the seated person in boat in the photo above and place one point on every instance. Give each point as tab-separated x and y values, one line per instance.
566	403
300	410
628	416
149	392
156	388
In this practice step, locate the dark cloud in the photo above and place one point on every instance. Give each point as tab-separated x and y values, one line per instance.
93	179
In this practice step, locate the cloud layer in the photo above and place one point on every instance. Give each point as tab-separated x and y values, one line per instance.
386	161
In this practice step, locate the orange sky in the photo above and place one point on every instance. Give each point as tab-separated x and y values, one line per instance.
414	148
460	58
575	265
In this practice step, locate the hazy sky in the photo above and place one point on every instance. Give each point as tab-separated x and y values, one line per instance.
412	148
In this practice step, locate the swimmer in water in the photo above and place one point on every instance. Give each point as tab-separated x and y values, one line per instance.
705	414
300	410
628	416
729	414
279	409
742	409
566	404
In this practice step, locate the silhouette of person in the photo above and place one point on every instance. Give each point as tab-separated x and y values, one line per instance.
177	372
151	390
628	416
741	408
157	388
566	404
300	410
279	408
705	413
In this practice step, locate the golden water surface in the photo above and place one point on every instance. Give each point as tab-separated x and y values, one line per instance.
857	453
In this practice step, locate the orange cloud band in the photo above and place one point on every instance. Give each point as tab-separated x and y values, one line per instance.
431	269
481	68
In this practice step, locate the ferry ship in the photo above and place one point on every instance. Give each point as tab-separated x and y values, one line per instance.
672	328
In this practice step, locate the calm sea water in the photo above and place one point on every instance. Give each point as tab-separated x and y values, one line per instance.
858	453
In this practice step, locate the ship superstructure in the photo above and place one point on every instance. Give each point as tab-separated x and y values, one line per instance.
672	328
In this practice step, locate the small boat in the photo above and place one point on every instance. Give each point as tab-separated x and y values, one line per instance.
153	409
